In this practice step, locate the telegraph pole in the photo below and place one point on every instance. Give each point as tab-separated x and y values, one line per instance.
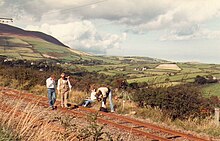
6	20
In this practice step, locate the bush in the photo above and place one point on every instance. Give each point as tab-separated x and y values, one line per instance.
204	80
181	101
200	80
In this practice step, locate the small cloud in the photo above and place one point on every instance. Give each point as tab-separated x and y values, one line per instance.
190	33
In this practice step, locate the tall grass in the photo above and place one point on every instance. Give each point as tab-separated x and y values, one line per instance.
27	125
29	122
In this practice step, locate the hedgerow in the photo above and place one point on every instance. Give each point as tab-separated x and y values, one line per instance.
180	101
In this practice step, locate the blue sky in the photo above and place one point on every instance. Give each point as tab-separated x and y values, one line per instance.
176	30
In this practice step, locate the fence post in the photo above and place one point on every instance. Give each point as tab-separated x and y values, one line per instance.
217	116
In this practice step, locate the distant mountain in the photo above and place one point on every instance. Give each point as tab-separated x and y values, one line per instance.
4	28
31	45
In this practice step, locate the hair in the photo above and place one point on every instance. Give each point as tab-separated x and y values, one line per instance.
93	86
62	74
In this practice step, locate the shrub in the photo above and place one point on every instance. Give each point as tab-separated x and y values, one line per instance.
204	80
200	80
181	101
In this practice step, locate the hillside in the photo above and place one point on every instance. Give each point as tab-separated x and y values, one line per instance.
31	45
4	28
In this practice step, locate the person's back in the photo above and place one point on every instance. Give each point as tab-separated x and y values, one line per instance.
105	92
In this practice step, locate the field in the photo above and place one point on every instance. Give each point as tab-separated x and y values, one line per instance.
133	69
212	90
135	73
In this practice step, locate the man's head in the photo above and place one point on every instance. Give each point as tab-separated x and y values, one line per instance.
92	87
52	76
63	75
98	96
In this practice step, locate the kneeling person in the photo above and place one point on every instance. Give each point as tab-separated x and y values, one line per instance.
104	93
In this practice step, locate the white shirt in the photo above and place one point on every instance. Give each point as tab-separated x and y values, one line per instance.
50	83
58	84
92	96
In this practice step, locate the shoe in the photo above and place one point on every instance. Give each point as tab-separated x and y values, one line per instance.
52	107
112	111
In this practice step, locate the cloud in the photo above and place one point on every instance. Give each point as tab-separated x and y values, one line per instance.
192	32
1	2
82	35
142	15
178	19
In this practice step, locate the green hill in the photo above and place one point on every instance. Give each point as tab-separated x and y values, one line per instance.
20	44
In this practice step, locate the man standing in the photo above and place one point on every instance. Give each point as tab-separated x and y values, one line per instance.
50	83
63	88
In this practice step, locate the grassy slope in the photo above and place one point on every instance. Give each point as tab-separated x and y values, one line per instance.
212	90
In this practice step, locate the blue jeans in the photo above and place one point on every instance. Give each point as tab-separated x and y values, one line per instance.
51	96
110	101
87	102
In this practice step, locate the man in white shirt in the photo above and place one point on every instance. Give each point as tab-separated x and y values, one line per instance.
64	87
51	85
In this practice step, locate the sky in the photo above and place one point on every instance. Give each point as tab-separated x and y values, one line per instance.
175	30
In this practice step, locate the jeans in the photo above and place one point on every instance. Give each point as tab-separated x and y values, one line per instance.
51	96
110	101
87	102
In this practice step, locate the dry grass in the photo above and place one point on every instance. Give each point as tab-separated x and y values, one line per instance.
168	66
29	124
39	90
78	96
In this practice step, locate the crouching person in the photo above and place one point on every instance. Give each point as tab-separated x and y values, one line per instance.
104	93
64	87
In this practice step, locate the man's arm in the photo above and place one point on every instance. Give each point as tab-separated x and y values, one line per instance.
58	85
68	80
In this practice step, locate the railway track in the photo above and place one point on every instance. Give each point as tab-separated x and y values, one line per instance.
150	131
